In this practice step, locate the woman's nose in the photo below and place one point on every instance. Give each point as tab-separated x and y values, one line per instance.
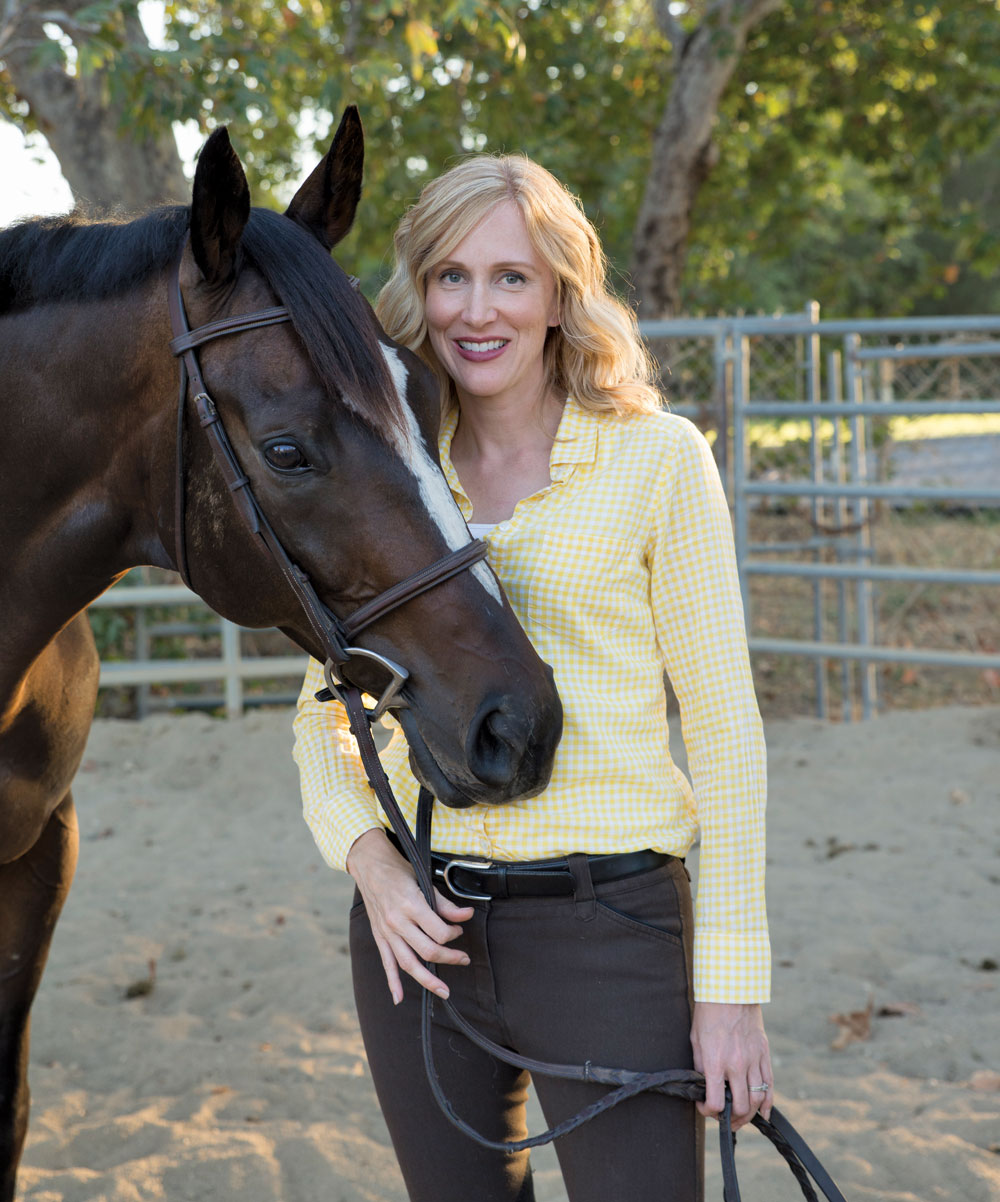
479	309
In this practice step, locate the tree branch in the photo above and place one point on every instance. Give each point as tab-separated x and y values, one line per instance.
740	15
669	26
683	151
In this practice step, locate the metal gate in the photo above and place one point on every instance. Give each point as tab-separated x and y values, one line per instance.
845	380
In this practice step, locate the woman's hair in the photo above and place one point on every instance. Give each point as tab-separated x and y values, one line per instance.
596	354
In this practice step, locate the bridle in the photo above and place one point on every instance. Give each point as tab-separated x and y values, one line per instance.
335	635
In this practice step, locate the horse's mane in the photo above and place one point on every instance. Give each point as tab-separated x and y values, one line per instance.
76	258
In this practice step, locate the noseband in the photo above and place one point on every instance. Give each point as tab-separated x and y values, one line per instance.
335	635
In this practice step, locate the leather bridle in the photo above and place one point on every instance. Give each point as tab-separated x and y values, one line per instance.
335	635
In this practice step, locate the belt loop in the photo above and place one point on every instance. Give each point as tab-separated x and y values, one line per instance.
583	887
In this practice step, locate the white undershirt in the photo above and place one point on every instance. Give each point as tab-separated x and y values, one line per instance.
481	529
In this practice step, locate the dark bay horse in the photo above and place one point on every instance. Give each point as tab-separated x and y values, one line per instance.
335	427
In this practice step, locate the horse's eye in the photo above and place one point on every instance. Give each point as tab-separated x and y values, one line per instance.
285	456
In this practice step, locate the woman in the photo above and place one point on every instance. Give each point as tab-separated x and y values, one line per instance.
607	526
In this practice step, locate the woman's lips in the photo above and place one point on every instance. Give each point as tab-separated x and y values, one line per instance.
466	348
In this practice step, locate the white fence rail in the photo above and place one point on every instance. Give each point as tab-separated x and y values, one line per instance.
232	668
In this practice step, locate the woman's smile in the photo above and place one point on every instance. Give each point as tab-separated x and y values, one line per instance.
479	352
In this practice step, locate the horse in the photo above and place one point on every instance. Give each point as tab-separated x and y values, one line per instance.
332	436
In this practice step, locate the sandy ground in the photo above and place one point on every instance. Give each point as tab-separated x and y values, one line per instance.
241	1074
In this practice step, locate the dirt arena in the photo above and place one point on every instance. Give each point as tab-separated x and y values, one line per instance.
194	1036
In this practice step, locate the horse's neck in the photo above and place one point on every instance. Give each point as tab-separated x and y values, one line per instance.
85	427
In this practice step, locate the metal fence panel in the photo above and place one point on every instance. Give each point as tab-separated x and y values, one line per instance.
733	375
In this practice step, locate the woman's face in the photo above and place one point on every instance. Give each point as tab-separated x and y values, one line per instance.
489	305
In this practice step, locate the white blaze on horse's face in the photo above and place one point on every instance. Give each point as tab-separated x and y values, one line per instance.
434	490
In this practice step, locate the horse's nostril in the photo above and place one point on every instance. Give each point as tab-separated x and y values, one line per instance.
496	746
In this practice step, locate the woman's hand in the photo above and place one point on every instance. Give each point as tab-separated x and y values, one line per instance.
405	927
730	1045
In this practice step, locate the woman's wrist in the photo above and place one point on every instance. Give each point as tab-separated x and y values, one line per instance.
372	844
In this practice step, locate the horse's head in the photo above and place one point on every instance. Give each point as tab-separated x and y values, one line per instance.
336	427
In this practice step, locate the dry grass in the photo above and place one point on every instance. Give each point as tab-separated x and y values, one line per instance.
963	618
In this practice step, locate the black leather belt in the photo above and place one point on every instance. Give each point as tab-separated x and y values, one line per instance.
481	880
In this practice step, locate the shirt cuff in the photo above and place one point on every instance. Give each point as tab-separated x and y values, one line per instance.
732	966
338	821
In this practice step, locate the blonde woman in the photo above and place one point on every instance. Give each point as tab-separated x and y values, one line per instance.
607	526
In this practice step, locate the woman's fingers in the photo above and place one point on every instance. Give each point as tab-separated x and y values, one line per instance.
406	929
391	969
765	1077
450	911
729	1044
715	1096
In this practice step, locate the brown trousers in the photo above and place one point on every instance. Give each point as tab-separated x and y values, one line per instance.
602	976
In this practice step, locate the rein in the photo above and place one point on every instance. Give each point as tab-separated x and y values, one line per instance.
334	635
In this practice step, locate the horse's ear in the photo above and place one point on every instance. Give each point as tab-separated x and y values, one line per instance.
220	208
326	202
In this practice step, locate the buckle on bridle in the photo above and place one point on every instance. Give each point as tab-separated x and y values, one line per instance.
390	698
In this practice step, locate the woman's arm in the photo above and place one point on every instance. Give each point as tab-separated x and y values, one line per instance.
699	619
342	814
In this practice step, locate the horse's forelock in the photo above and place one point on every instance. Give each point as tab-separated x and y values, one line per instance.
333	320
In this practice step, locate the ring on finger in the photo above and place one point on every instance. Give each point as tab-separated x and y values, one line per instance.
762	1088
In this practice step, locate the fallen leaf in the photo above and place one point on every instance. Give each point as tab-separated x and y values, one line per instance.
144	986
897	1010
958	797
835	848
854	1027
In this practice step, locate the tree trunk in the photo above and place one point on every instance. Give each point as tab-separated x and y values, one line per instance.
683	151
107	162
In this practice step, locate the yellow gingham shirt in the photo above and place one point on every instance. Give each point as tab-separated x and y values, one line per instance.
621	567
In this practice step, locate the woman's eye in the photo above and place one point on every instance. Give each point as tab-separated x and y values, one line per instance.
285	457
450	277
513	277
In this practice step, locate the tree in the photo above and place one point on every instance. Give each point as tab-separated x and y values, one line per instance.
746	149
66	89
684	149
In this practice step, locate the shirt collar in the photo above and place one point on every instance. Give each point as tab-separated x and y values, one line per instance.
446	432
576	438
576	442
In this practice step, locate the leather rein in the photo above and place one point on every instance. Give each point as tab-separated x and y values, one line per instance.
335	635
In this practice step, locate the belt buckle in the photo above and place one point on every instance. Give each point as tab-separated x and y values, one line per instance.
473	866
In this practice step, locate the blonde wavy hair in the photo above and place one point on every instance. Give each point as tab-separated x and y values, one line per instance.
596	354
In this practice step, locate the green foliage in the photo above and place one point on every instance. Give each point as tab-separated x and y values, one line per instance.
845	172
853	165
112	632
